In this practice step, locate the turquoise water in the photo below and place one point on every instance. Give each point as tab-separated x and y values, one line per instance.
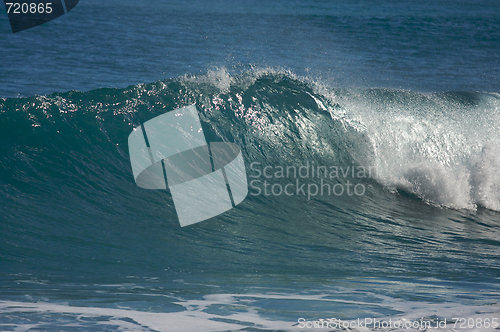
408	89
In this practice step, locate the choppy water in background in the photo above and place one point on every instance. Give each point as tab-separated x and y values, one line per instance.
411	88
422	45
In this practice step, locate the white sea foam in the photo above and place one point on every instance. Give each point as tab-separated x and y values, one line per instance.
246	313
445	152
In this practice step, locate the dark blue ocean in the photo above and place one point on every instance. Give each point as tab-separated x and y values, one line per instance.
407	89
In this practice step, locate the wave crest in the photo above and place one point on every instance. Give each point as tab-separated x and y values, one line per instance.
443	148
